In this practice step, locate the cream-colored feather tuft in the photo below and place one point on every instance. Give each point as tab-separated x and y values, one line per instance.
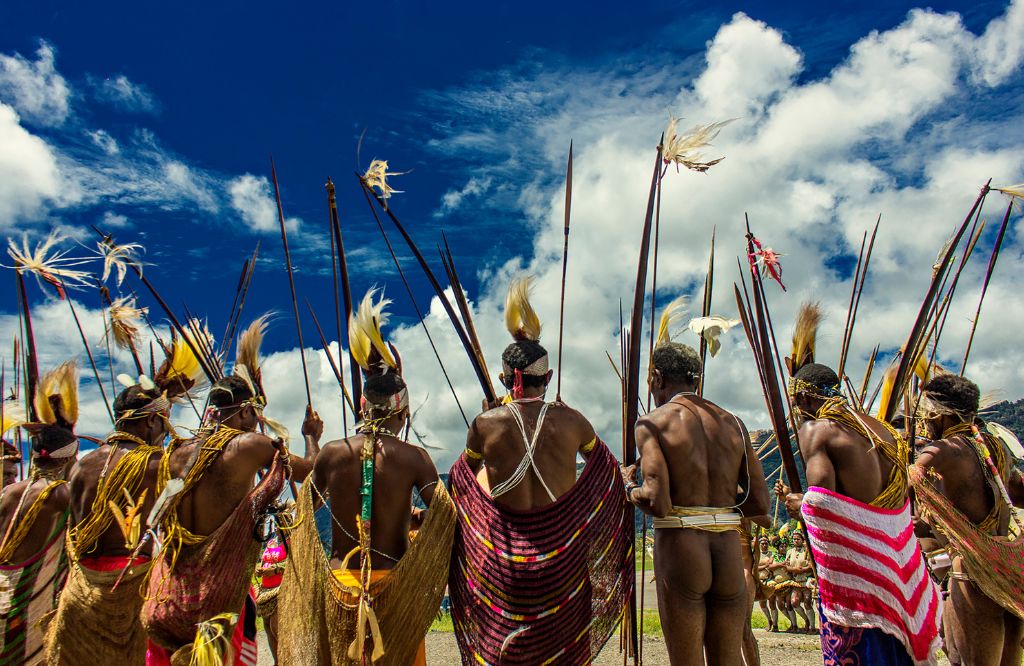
125	324
56	268
805	335
711	328
376	177
116	259
670	317
13	416
365	338
248	353
521	319
56	399
684	149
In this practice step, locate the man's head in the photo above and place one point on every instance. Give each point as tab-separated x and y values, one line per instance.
235	404
385	396
53	446
525	368
675	368
948	400
813	384
142	412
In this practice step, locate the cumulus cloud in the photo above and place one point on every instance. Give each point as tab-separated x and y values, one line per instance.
29	176
453	199
122	93
35	88
252	197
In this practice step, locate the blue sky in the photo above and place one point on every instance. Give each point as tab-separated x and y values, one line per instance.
157	122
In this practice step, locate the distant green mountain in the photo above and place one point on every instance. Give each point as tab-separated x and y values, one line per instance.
1009	414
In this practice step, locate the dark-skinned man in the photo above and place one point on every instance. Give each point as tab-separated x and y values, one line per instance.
198	595
877	601
33	519
355	588
693	456
535	545
980	629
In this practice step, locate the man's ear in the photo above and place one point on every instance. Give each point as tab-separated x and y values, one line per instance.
547	379
656	379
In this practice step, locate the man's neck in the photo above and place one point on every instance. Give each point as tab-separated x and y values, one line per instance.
680	390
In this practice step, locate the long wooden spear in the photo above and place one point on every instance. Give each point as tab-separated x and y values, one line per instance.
863	262
92	361
565	263
482	378
917	332
448	260
29	344
709	287
346	398
291	281
346	292
984	287
345	408
867	376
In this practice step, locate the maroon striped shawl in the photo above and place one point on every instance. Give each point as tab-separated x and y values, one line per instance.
542	586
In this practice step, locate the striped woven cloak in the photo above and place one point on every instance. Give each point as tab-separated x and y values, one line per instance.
871	579
209	578
28	593
546	586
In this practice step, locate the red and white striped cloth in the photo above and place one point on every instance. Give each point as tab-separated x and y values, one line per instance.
871	572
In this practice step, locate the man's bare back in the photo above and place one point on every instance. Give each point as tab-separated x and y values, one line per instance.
399	469
496	436
42	528
839	458
84	481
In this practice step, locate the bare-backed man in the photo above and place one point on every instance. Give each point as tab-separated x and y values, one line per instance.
982	631
857	493
694	455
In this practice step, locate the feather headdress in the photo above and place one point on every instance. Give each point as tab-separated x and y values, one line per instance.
13	416
247	355
125	322
805	335
521	319
116	259
684	149
670	317
56	398
376	177
365	339
711	328
181	371
55	269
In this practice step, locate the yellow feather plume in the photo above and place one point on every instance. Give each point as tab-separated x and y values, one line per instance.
805	334
13	416
247	355
364	333
670	316
888	385
520	318
181	371
56	399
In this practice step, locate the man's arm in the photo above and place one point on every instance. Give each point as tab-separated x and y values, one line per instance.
756	502
312	430
475	446
426	477
652	496
817	466
1016	488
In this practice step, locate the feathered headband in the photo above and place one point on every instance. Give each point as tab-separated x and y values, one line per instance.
522	322
56	406
373	354
247	356
179	374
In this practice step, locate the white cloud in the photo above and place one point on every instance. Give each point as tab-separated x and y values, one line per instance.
253	199
104	141
35	88
122	93
453	199
29	176
111	220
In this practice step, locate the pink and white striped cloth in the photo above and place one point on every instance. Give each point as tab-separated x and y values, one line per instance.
870	570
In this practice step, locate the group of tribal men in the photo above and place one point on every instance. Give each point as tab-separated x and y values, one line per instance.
158	536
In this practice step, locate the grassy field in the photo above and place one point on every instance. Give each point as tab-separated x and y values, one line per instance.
652	623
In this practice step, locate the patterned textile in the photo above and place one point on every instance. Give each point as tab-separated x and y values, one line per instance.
854	646
546	586
28	592
993	563
871	573
95	623
209	578
319	608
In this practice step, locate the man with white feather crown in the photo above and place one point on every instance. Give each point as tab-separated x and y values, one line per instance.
543	561
694	455
113	488
356	590
199	607
33	519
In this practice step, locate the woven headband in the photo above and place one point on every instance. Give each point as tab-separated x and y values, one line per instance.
823	392
155	406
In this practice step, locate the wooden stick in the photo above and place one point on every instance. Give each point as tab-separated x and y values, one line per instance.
984	287
448	260
92	361
337	309
654	291
346	293
867	376
565	263
709	284
346	398
291	281
31	360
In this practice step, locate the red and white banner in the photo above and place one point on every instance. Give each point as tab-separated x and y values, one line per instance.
870	570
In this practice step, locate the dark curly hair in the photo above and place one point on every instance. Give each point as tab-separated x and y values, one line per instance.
518	356
134	397
677	363
955	392
818	375
228	391
378	388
